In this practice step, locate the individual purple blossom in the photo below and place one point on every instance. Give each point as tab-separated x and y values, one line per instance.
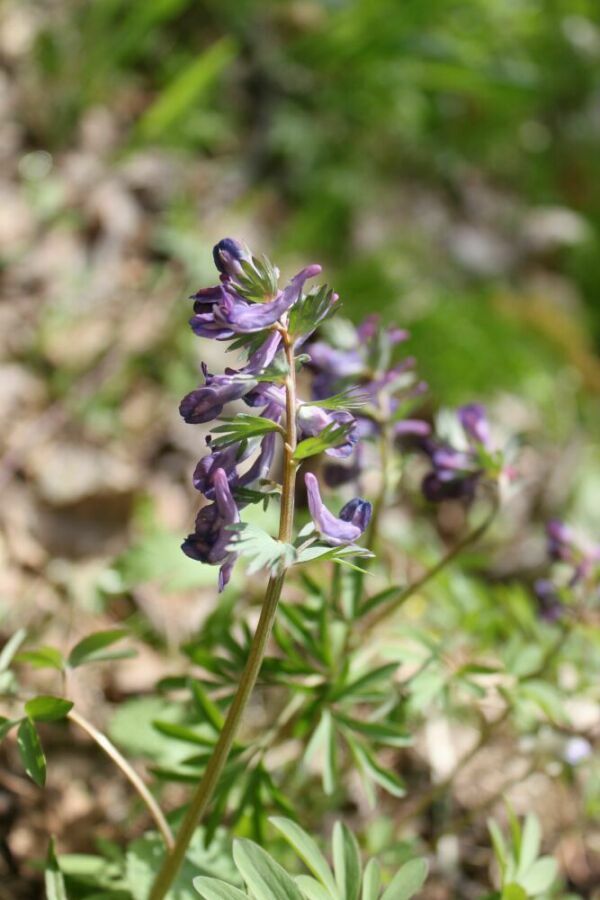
229	458
352	522
474	421
457	471
211	539
207	403
564	545
245	318
312	420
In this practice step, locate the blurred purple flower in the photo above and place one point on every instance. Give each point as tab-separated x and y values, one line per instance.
353	520
474	421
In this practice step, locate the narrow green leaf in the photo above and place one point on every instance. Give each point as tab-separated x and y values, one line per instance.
513	892
346	862
43	658
498	843
53	877
361	685
382	732
182	733
540	876
308	851
10	648
311	888
47	709
91	648
185	91
213	889
371	880
206	706
241	428
31	752
530	844
330	761
387	779
331	436
407	881
264	877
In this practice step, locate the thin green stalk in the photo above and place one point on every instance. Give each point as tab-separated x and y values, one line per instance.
130	774
470	538
206	787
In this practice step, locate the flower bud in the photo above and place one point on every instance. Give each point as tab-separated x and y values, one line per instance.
228	254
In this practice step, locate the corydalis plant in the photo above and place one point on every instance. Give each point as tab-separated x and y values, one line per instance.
248	309
576	575
269	325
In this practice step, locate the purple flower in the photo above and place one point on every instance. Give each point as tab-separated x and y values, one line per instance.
228	254
244	318
550	605
210	541
354	517
312	420
473	419
561	541
206	403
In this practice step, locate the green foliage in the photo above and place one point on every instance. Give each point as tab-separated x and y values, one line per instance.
524	873
332	435
264	877
241	428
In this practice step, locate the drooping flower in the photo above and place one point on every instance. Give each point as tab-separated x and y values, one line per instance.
353	519
207	403
211	539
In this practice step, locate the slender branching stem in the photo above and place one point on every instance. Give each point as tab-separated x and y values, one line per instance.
403	594
130	774
206	787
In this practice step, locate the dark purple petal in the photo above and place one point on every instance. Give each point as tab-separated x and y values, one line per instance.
205	299
436	488
551	606
334	531
206	403
227	255
358	512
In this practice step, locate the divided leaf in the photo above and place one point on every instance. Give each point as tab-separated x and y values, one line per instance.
241	428
264	877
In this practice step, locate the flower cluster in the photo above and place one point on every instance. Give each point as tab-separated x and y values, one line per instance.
578	569
462	460
248	309
359	360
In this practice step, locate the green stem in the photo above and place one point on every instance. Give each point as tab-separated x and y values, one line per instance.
130	774
205	789
471	538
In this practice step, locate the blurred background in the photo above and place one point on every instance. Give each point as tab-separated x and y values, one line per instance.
441	159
